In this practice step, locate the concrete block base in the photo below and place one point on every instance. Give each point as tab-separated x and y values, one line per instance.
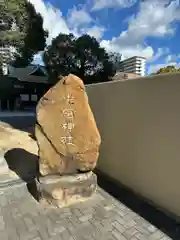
62	191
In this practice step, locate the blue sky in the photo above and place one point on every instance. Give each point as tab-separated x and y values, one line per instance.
149	28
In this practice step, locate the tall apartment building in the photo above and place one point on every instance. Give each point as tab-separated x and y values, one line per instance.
136	65
6	53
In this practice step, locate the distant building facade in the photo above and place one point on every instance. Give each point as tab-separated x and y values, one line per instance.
29	84
121	76
135	65
6	50
7	54
31	73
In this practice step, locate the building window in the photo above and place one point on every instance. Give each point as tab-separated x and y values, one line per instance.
24	97
18	86
34	97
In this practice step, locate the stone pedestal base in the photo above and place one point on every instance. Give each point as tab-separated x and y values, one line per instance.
63	191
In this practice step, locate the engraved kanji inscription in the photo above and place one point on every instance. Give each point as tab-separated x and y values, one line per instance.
70	98
66	140
68	126
68	113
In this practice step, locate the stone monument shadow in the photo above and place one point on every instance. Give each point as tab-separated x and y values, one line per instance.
25	165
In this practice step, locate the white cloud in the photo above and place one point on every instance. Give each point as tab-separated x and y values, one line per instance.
78	17
53	19
77	22
128	51
172	58
154	19
99	4
154	68
38	59
95	31
157	55
80	21
168	60
161	52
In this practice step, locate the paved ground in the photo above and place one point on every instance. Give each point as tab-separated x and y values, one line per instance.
101	218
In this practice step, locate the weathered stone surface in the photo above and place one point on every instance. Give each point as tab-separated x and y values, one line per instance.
66	190
66	130
18	156
4	169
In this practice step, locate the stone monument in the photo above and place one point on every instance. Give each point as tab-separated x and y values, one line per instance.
68	141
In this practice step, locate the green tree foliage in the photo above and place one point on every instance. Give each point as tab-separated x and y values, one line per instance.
168	69
21	27
81	56
116	59
12	12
